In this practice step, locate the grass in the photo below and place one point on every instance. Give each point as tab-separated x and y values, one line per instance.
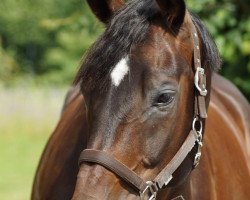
27	117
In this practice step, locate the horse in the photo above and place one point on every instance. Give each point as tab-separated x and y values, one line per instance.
149	117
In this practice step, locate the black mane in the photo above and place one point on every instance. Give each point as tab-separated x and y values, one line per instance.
209	52
127	28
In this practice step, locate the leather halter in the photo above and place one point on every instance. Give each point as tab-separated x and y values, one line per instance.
149	189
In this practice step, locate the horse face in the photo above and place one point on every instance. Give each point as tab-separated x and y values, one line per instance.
144	113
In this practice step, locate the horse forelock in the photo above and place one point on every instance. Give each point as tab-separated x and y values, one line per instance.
129	27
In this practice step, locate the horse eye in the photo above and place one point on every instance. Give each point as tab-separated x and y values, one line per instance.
164	99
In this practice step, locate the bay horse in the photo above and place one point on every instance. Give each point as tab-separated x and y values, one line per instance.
137	117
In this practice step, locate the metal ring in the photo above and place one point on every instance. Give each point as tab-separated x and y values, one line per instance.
201	127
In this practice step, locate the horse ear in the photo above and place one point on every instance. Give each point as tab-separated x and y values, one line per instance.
173	10
104	9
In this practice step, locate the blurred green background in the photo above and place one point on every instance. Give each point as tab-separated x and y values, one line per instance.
41	46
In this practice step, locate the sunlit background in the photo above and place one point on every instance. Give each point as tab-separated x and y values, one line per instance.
41	46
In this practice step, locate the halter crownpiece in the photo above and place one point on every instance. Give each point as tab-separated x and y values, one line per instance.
200	110
149	189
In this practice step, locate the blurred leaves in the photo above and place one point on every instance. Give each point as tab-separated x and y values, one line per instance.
9	67
46	39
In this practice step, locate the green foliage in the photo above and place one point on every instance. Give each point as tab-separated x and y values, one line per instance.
8	65
46	39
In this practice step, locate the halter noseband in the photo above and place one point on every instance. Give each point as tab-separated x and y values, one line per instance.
150	189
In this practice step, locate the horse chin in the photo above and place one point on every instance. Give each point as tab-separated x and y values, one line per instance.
94	182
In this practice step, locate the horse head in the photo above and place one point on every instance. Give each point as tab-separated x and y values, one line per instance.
138	83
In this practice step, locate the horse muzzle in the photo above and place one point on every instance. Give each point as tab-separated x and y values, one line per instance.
95	182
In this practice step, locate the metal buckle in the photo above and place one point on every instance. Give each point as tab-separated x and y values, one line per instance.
199	132
152	190
200	71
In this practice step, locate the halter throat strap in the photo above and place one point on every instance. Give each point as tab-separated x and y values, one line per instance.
149	189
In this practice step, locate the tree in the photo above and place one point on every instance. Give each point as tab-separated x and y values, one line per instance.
48	38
